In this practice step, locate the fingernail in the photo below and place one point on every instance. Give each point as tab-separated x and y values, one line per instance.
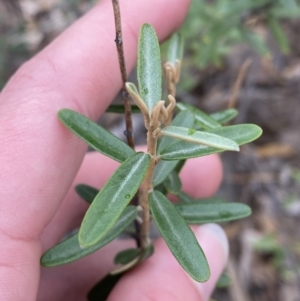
218	232
214	243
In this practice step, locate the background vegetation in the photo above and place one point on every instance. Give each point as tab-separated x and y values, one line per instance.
220	37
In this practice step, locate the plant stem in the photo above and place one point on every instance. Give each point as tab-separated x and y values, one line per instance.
146	188
126	98
119	43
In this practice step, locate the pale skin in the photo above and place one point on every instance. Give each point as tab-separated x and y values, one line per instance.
41	161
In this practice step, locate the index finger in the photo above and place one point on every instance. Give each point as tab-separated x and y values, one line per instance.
79	71
41	157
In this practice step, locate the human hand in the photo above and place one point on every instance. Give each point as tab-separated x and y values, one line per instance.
40	159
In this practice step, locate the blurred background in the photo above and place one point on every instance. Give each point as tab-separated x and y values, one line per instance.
242	54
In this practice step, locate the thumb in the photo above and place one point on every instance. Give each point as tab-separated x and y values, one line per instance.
162	278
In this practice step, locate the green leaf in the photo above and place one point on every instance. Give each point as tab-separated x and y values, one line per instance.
255	41
96	136
127	256
175	49
224	281
206	121
86	192
173	183
134	261
241	134
121	109
69	250
149	67
179	237
224	116
213	213
278	34
113	199
205	138
292	4
279	12
103	288
161	171
186	199
184	119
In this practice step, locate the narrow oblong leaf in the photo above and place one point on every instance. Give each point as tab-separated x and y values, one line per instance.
223	281
119	108
149	66
136	97
203	119
186	199
205	138
143	255
69	250
95	136
278	34
175	49
161	171
213	213
241	134
172	183
179	237
224	116
113	199
280	12
183	119
127	256
255	41
86	192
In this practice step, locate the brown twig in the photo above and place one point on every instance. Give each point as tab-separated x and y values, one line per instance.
238	83
127	106
172	75
147	186
159	115
119	43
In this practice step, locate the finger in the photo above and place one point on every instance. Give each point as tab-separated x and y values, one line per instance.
206	173
74	280
76	71
95	170
41	157
202	176
162	278
83	273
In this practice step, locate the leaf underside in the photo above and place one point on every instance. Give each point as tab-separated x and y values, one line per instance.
204	138
241	134
149	67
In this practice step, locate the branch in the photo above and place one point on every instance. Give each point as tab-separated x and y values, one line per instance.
119	43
